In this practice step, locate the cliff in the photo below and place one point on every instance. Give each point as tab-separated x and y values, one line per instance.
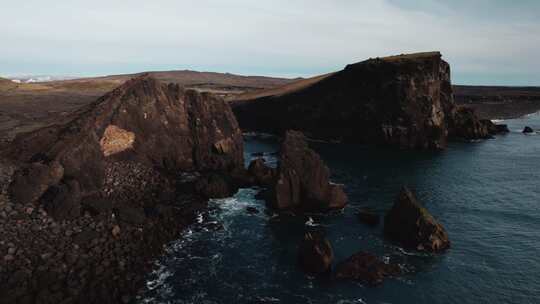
143	121
403	101
91	201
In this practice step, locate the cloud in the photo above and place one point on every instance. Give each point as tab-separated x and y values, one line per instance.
294	37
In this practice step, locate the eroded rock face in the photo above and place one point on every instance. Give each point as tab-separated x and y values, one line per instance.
366	268
303	180
412	226
161	127
404	101
315	254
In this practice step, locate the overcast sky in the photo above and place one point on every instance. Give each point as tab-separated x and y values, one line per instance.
486	42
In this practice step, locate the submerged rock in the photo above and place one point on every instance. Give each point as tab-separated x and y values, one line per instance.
366	268
368	218
412	226
528	129
315	254
404	101
303	181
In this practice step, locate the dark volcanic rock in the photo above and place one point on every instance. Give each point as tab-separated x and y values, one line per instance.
366	268
411	225
252	210
403	101
303	181
215	185
368	218
263	174
143	121
495	129
466	125
528	129
93	200
315	254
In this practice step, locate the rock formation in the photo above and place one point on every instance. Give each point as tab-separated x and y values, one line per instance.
92	200
528	129
263	175
315	254
303	180
157	126
412	226
404	101
366	268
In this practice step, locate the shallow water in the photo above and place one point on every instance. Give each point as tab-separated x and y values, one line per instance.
486	194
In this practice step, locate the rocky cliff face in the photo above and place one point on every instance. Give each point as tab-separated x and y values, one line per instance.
403	101
157	126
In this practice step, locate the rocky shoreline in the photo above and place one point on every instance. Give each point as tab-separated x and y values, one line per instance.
86	204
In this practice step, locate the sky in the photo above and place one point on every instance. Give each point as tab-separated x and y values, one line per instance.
493	42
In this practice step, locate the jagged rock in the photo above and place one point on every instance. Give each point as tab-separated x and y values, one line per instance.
368	218
528	129
366	268
262	174
303	181
162	127
315	254
404	101
495	129
412	226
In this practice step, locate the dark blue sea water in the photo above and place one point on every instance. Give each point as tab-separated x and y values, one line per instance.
486	194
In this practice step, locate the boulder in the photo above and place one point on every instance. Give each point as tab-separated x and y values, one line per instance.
366	268
303	180
528	129
368	218
315	254
159	126
411	225
403	101
262	174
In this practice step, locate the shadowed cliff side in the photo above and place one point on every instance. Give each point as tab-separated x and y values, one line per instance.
403	101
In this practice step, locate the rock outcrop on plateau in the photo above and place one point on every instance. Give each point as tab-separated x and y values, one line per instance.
404	101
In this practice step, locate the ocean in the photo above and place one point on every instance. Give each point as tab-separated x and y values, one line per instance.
486	194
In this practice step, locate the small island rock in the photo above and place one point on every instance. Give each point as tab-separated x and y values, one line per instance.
411	225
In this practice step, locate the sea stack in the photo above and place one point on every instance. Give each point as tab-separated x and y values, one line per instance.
404	101
303	180
315	254
411	225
